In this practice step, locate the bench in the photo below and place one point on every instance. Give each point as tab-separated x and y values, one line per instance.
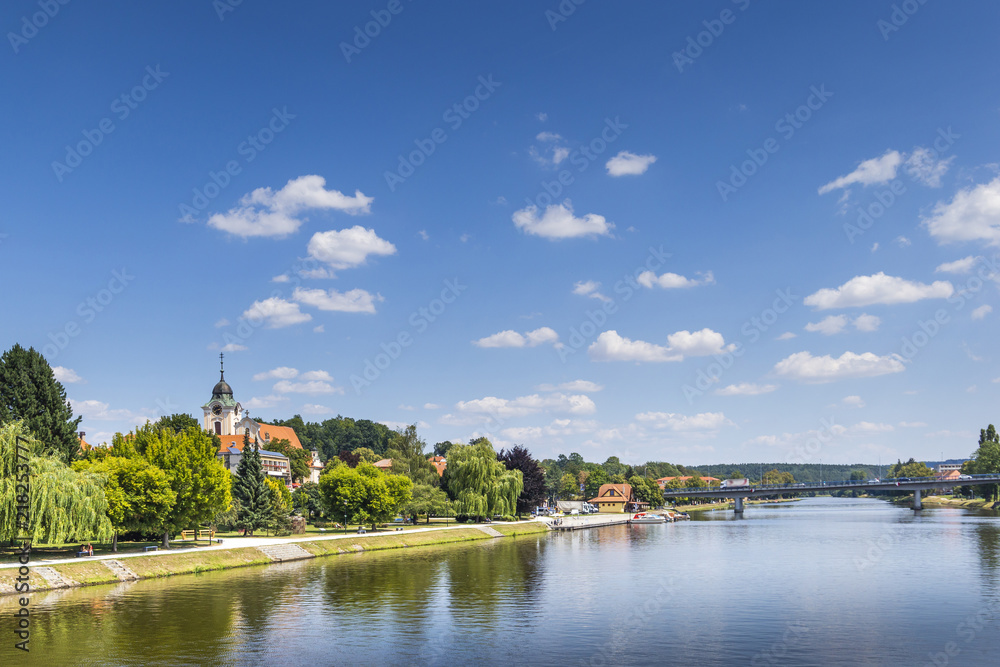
185	534
82	553
206	535
150	548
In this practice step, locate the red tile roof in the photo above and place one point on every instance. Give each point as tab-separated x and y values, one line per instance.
384	464
439	463
269	432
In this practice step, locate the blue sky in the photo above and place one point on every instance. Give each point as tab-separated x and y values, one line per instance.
694	232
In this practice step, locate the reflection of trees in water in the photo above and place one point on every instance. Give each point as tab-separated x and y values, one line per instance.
988	548
485	582
123	624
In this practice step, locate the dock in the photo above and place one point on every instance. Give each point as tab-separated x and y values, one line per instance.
590	521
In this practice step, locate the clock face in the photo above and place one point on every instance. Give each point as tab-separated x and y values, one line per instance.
216	410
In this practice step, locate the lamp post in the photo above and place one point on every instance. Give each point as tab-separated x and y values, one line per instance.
345	517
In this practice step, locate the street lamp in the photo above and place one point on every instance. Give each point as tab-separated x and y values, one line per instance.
345	517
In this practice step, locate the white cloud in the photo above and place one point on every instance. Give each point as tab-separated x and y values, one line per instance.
912	425
902	242
282	278
260	402
877	289
981	312
431	406
699	343
589	288
922	167
423	234
673	280
352	301
276	312
828	326
348	248
703	421
963	265
408	408
874	246
311	387
222	323
316	409
804	367
66	375
265	212
316	375
556	430
547	136
101	411
559	154
542	116
746	389
502	408
866	322
629	164
973	214
788	335
852	402
279	373
233	347
319	329
870	427
583	386
609	346
511	338
870	172
558	222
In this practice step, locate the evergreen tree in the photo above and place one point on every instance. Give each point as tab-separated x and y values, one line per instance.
29	391
250	490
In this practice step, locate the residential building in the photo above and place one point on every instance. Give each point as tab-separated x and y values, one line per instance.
617	498
663	481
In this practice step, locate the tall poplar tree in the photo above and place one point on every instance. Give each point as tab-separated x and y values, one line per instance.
250	490
29	391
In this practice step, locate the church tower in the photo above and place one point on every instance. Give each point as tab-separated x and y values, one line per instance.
221	412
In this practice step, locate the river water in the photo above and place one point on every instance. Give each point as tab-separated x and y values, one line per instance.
822	581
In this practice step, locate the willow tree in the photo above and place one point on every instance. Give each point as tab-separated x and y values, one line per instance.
481	485
63	505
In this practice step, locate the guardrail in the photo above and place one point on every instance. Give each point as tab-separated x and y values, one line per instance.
798	486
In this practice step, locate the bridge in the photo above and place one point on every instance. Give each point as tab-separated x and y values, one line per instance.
916	484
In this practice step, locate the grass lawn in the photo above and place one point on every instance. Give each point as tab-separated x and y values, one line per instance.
8	554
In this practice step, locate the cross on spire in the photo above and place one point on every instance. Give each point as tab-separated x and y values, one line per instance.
222	368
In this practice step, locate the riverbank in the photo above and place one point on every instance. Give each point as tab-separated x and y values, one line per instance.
729	505
946	501
129	567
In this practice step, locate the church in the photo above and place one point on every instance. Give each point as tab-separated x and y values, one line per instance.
225	417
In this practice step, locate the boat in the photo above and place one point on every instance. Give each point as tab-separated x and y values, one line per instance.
647	517
674	515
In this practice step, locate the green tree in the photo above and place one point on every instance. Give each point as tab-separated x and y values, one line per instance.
367	455
199	479
279	507
406	450
251	493
986	461
911	469
307	500
532	476
613	466
595	481
429	501
482	485
441	448
30	392
569	488
63	504
139	494
177	422
646	490
364	493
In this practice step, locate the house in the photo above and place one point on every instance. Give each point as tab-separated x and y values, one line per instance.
385	465
275	465
663	481
315	468
950	475
439	463
617	498
948	467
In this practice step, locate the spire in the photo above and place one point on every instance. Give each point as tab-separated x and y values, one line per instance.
222	368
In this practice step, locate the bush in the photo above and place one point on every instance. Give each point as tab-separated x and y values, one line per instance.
508	517
462	518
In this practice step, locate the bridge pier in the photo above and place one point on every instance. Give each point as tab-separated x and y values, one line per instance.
917	504
739	506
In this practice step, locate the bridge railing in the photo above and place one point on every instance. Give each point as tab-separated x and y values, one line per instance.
883	483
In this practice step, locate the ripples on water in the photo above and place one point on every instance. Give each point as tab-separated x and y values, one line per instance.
817	582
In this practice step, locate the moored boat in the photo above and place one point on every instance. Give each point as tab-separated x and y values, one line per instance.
647	517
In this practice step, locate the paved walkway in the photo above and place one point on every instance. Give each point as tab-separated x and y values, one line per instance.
244	542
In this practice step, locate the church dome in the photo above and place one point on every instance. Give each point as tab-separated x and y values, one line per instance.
221	389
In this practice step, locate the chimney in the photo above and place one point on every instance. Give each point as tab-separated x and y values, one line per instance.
82	433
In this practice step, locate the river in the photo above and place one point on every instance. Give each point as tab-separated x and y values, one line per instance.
822	581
